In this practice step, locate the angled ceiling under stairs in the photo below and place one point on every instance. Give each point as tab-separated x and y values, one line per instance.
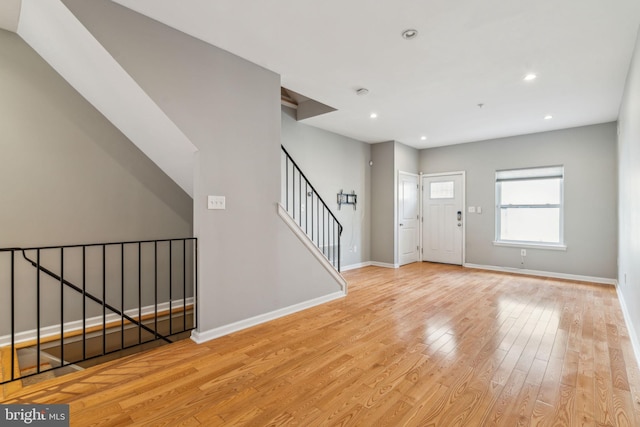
61	40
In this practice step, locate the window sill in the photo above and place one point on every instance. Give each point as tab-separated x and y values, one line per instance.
550	247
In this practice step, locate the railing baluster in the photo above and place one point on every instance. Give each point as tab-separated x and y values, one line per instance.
332	242
139	292
293	192
13	315
300	194
61	306
184	285
325	223
170	288
104	301
195	281
38	312
306	206
155	289
122	308
339	249
84	301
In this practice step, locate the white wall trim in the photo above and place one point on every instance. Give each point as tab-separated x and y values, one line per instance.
384	264
76	325
549	247
204	336
282	212
591	279
358	265
635	344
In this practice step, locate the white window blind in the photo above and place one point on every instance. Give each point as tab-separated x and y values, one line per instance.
529	205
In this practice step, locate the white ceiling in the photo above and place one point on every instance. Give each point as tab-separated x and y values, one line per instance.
9	14
467	52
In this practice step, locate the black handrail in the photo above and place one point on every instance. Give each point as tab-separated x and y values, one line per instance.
325	230
191	269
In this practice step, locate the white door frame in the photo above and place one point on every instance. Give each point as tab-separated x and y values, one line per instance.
397	215
464	209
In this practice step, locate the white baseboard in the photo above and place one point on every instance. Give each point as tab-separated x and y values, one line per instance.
384	264
204	336
76	325
627	320
354	266
602	280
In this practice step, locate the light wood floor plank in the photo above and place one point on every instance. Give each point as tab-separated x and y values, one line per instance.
425	344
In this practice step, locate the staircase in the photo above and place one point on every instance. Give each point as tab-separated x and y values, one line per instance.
310	212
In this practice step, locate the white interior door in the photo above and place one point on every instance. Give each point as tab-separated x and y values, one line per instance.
408	216
443	214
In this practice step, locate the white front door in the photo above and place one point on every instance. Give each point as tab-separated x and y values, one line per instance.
408	225
443	213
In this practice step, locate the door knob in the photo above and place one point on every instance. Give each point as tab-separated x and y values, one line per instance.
401	225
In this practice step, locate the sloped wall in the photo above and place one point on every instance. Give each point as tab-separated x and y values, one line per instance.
67	176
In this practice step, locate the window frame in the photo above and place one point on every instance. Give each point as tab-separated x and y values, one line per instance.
529	174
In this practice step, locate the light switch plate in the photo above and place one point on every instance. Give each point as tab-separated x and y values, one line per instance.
479	210
216	202
472	209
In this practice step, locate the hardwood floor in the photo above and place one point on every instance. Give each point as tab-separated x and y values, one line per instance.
423	345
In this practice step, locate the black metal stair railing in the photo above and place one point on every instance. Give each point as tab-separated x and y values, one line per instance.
143	285
305	206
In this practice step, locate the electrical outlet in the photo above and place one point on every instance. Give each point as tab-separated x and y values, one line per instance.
523	252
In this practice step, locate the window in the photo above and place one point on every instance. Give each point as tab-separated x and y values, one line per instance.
530	206
441	190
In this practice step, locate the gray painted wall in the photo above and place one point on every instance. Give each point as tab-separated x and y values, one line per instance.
407	159
629	196
382	206
333	162
68	176
389	158
588	155
230	109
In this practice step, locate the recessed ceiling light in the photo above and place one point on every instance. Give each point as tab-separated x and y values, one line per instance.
548	117
529	77
409	34
373	115
424	138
